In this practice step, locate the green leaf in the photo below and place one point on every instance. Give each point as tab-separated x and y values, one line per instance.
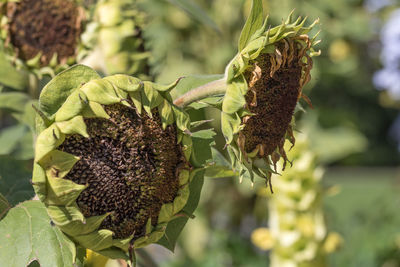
13	101
253	23
4	206
11	77
15	180
233	99
202	141
222	168
220	172
195	11
215	102
175	227
26	235
60	87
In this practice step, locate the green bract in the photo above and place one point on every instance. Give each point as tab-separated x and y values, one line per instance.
264	84
113	159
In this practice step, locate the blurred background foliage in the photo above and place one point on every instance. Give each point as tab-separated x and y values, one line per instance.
350	129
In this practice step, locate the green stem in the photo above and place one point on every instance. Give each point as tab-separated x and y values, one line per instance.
213	88
33	88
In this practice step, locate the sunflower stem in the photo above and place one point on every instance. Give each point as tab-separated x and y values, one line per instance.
214	88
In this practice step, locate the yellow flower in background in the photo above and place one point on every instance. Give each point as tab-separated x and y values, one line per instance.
333	242
339	50
262	238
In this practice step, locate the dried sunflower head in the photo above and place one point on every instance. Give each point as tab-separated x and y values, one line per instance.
112	160
40	33
264	85
62	33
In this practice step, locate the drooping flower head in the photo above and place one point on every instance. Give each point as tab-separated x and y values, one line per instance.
264	85
112	160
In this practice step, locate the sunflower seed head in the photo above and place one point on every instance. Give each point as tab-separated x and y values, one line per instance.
52	32
129	164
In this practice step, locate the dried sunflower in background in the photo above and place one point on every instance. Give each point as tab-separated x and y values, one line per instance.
114	161
105	35
58	35
50	39
263	86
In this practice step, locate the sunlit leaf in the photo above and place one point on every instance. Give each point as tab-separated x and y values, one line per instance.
253	23
60	87
27	235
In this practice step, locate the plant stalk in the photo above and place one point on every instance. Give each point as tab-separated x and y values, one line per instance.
214	88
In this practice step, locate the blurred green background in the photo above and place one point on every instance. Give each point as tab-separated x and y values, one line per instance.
350	129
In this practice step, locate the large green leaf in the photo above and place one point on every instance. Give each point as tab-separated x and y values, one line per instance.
4	206
253	23
15	180
175	227
27	235
195	11
10	77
